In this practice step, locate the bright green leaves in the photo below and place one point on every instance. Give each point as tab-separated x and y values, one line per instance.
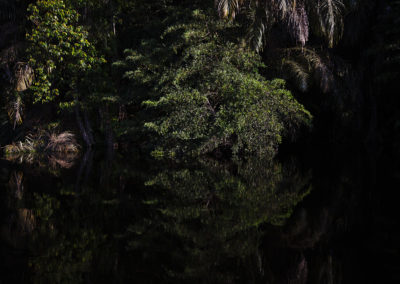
209	94
59	50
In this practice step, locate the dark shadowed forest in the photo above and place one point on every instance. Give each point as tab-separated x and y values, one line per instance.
199	141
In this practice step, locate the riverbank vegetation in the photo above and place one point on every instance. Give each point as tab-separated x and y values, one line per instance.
220	77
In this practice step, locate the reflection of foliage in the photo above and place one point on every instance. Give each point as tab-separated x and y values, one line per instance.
65	260
262	192
45	206
192	221
15	110
48	162
21	220
202	221
46	150
61	224
215	214
16	183
63	245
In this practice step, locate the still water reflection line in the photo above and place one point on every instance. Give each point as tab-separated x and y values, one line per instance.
195	221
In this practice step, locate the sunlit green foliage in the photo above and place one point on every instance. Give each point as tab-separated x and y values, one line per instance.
208	92
59	51
178	80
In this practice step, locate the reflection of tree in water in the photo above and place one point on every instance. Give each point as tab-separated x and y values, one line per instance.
21	220
192	221
58	227
52	162
202	221
310	247
16	223
72	238
213	212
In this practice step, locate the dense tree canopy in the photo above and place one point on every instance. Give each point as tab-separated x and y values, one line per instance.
194	76
209	93
240	85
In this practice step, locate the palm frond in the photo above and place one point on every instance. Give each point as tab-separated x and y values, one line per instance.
330	14
298	23
305	67
322	73
326	16
297	73
228	8
261	20
64	142
282	7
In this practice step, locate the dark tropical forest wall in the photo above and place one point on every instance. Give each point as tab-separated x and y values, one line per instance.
226	77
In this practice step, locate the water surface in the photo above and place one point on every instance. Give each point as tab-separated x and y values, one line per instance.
326	219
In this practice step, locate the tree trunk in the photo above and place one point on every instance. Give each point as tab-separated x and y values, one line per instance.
87	137
108	132
84	169
88	127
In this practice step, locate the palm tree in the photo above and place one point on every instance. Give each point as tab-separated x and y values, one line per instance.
17	75
308	65
325	17
304	66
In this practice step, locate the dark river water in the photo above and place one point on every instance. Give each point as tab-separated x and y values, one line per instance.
323	217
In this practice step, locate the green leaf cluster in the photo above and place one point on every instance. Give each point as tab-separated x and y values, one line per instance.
208	92
59	50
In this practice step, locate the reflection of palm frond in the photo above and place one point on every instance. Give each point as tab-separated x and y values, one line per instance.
52	160
65	161
45	150
3	119
15	110
15	183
